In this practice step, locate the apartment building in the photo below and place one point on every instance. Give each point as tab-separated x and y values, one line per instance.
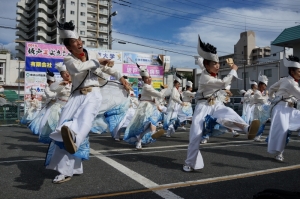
245	51
36	22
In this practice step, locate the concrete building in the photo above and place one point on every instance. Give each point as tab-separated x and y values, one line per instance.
9	74
245	51
36	22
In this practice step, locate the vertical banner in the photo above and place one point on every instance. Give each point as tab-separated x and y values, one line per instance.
38	58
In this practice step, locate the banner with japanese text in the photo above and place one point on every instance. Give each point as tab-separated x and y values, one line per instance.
38	58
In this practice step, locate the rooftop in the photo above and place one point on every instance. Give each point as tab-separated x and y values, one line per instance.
288	37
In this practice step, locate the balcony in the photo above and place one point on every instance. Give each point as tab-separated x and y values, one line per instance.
103	3
94	19
103	13
93	1
92	28
92	10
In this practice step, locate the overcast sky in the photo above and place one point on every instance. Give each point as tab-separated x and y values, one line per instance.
218	22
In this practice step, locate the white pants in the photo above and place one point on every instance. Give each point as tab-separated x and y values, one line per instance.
284	118
225	116
65	163
81	110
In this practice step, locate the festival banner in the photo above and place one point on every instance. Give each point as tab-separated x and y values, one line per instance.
114	55
140	58
132	70
38	58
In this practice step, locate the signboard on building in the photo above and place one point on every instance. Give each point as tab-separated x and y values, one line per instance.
38	58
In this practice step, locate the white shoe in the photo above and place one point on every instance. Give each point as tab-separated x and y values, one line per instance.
204	141
117	139
257	139
138	146
183	128
168	135
187	168
60	179
279	158
235	134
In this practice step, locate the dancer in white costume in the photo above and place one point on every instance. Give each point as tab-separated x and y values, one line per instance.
33	105
248	99
208	104
134	103
186	112
82	107
242	92
62	92
284	117
171	122
261	110
142	128
39	121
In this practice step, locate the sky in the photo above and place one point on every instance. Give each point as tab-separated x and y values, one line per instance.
171	26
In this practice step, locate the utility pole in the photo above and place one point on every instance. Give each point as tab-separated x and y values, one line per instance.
244	74
19	91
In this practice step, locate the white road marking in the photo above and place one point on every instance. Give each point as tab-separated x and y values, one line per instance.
135	176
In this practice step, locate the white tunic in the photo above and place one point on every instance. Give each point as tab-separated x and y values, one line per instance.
227	117
80	110
187	96
283	116
259	113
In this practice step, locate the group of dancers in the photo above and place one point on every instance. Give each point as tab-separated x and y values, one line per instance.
79	104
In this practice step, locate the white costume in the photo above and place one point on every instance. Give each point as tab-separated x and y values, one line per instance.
210	102
248	103
171	121
186	111
62	94
139	131
134	103
284	116
79	112
33	108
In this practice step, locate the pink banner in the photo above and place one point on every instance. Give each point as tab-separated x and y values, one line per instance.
45	50
132	70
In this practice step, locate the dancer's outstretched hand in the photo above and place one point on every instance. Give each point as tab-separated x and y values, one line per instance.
126	85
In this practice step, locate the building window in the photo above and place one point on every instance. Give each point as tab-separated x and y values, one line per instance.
268	72
1	68
82	4
245	76
83	42
92	6
82	13
82	23
73	3
93	16
72	12
93	43
82	32
274	54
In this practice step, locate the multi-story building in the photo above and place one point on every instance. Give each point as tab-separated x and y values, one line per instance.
245	51
36	22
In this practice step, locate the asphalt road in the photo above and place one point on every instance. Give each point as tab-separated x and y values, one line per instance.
234	168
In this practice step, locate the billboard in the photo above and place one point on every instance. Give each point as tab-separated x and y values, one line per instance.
38	58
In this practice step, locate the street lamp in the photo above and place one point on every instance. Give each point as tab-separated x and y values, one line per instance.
109	27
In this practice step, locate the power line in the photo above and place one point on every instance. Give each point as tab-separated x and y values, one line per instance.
159	48
261	3
199	21
200	15
229	13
